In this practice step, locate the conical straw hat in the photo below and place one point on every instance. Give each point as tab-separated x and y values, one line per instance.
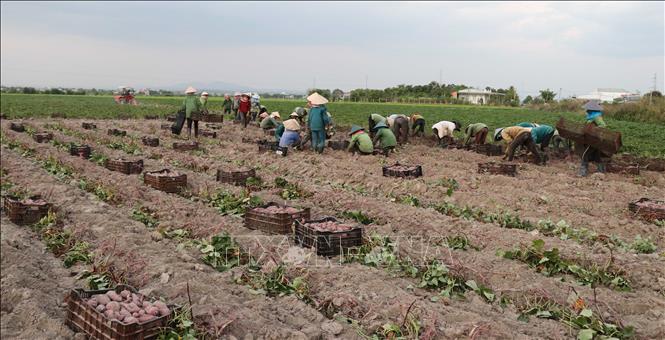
317	99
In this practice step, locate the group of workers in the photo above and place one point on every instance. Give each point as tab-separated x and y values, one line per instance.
314	124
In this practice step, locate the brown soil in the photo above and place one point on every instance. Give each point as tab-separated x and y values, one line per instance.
341	182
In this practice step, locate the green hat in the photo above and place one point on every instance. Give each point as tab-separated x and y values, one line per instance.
497	134
380	125
355	128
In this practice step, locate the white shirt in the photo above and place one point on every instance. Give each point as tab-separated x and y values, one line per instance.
391	119
444	128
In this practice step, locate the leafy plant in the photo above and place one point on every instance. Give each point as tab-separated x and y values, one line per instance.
358	216
290	191
98	158
449	183
222	253
78	253
460	242
180	327
276	283
643	245
145	216
227	203
550	263
437	276
54	167
103	193
410	200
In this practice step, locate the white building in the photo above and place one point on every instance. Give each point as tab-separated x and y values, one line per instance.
476	96
608	95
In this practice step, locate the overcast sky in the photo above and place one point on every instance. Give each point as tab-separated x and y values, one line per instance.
574	46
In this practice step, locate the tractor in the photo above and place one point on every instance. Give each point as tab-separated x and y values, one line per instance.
125	95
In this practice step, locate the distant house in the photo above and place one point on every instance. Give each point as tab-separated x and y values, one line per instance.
346	96
476	96
608	95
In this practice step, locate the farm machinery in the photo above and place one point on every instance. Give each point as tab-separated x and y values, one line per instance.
125	95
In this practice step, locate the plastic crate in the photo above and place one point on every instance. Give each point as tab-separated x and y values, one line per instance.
23	213
210	134
237	177
269	132
409	171
150	141
83	318
82	151
88	126
327	243
628	169
125	166
116	132
18	127
188	146
278	223
507	169
489	149
211	118
265	146
42	137
165	180
338	144
648	213
607	141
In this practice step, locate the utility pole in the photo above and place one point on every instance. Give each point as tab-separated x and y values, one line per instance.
314	83
560	89
440	76
654	88
366	82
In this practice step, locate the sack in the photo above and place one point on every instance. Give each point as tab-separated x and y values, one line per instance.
176	128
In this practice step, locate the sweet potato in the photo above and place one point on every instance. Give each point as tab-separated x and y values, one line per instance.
113	305
164	311
132	307
92	303
114	296
154	311
100	308
130	319
125	293
145	318
102	299
109	314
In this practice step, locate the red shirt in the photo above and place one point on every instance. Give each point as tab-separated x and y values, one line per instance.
244	106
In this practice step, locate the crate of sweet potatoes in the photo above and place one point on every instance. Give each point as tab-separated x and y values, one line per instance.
328	236
119	314
274	218
24	211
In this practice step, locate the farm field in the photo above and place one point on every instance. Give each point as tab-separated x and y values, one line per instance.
643	139
451	254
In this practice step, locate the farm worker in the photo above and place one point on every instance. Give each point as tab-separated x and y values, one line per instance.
243	109
542	134
279	130
318	119
374	119
515	136
417	124
594	115
330	127
400	126
270	122
227	105
384	138
236	106
291	134
191	105
527	125
256	106
301	112
204	102
478	131
444	130
360	141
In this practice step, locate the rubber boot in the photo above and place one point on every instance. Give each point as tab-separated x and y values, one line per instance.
189	133
601	167
584	169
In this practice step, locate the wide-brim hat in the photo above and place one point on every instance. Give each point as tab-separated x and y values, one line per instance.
356	128
236	94
190	90
275	115
592	105
380	125
263	115
245	95
292	125
458	125
317	99
205	94
294	115
497	134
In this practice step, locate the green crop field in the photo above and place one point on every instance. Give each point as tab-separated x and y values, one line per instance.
646	139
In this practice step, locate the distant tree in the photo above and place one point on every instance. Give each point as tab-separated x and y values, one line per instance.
324	92
29	90
547	95
512	98
527	100
337	94
655	94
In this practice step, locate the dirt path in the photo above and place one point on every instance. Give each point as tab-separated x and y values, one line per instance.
34	284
